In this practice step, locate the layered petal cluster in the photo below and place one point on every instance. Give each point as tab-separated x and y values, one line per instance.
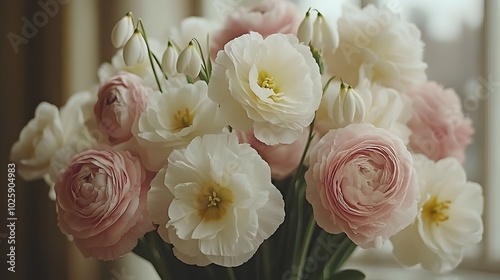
101	202
438	125
215	201
266	18
173	118
361	181
376	44
448	221
255	86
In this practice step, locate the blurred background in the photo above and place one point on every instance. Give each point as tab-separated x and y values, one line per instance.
53	48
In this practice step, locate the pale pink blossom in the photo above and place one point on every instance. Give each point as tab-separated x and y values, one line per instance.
121	100
439	127
282	158
101	202
269	17
361	181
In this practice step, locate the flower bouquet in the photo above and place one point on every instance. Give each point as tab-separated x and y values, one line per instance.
268	146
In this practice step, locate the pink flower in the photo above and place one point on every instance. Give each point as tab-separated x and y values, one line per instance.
282	158
439	128
361	181
269	17
121	100
101	201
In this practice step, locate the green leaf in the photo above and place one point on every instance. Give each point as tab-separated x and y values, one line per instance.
348	274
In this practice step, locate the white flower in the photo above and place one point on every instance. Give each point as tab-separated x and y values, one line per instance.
122	31
38	141
383	107
173	118
169	60
135	50
256	86
189	61
377	42
348	107
215	201
449	217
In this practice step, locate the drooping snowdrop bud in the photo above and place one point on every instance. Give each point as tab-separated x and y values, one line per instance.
323	35
189	61
169	60
135	50
348	107
305	31
122	31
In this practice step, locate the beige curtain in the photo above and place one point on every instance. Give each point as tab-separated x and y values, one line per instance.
51	49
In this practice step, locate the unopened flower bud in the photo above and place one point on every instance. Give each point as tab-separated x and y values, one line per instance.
189	61
348	107
135	50
305	31
122	31
323	35
169	60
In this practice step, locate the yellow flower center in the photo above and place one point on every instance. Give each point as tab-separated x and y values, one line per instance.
265	80
182	119
213	201
435	211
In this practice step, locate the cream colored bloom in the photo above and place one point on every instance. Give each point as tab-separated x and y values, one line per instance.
215	201
449	217
377	44
272	85
173	118
38	141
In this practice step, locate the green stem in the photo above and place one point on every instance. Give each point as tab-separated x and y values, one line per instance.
230	273
305	246
150	54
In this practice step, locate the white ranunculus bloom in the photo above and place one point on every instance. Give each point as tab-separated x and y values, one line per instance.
38	141
383	107
173	118
449	218
379	44
215	201
272	85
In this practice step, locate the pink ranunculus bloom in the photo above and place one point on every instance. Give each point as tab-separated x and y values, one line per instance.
101	202
282	158
361	181
269	17
121	100
439	127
